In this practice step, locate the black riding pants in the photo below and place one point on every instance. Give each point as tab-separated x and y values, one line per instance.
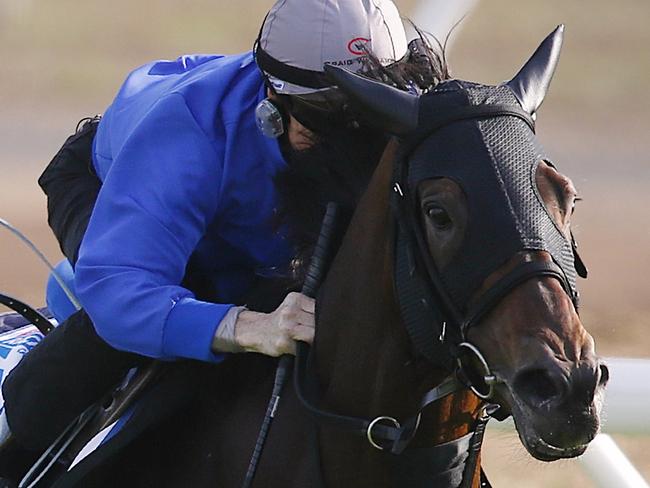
72	367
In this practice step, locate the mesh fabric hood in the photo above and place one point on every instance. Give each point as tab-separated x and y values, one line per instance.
494	161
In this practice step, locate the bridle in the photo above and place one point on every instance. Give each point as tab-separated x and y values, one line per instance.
437	329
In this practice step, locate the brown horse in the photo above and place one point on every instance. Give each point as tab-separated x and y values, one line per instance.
482	220
548	376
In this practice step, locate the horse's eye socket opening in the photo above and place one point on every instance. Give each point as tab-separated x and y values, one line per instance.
439	217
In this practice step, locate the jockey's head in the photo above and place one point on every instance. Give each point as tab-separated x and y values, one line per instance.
299	37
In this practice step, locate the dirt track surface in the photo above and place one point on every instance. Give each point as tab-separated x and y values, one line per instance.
595	124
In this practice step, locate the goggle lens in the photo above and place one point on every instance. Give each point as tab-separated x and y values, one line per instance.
269	119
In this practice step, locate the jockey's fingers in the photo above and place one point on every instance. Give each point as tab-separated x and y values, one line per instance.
302	333
282	345
302	301
308	304
293	311
298	317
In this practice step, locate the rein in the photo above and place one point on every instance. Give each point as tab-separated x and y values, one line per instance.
315	272
384	433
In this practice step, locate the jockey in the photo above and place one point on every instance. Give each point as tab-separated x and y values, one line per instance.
165	207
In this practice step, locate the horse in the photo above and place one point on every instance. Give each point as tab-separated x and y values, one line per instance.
451	298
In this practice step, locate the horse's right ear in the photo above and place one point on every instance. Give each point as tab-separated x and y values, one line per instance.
531	83
393	110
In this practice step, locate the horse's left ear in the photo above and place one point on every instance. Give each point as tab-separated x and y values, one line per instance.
531	83
393	110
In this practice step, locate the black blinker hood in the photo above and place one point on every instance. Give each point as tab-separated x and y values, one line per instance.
493	157
482	137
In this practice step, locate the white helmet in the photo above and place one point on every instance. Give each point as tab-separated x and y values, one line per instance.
298	37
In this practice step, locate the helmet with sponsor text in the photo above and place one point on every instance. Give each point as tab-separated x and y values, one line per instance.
298	37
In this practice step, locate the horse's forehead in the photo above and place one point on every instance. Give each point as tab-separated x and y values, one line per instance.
471	144
461	92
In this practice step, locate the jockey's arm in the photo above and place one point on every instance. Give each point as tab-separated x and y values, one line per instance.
139	239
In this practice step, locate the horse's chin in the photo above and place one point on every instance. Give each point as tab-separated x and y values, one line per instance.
533	438
543	451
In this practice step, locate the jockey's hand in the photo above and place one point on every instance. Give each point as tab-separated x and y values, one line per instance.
275	333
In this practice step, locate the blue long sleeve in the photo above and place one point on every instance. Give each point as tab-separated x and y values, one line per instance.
156	203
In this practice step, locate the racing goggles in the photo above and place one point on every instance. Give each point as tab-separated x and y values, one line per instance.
322	112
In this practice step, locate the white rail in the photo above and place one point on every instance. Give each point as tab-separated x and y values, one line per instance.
608	467
627	401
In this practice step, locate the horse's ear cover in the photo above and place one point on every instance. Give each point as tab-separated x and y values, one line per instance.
531	83
393	110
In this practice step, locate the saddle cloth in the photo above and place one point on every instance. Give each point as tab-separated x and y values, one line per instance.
17	338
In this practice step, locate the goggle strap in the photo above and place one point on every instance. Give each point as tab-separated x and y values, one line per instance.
290	74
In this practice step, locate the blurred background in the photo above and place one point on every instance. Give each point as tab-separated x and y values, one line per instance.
63	60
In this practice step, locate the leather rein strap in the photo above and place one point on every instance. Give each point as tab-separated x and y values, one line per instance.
383	432
387	433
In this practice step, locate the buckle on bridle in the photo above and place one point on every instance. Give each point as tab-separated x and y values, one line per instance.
372	425
486	375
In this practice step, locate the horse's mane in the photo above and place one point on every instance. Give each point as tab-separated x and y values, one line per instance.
424	67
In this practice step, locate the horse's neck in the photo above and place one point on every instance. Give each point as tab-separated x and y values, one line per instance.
357	341
364	355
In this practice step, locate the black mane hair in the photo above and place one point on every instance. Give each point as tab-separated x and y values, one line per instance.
424	66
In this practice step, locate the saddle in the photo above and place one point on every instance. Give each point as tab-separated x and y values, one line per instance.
18	336
147	395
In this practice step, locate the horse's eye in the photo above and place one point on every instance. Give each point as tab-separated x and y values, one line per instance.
439	217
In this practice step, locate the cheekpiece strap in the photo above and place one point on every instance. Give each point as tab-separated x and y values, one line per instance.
426	325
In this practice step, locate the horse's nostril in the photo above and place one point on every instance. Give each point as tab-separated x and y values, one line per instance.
604	375
538	386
